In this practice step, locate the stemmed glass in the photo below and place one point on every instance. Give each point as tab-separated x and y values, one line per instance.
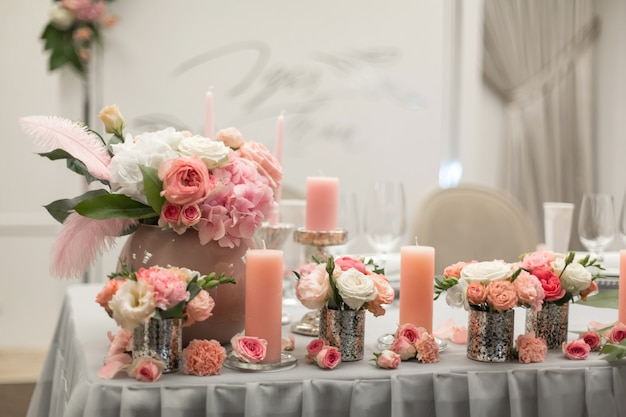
349	219
384	217
596	223
622	220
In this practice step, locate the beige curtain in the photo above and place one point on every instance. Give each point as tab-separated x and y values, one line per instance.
538	57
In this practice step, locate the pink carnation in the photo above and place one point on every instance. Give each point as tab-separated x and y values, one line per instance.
529	290
199	308
167	287
427	349
617	333
538	259
576	349
204	357
531	348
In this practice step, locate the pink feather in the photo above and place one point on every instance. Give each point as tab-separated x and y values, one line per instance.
81	240
52	132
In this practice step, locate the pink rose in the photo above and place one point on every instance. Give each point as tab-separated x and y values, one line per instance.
427	349
403	347
531	348
387	359
106	293
248	348
230	136
617	333
314	347
529	290
454	270
190	215
168	289
199	308
146	369
328	358
185	180
267	165
313	288
593	287
386	294
204	357
538	259
501	295
551	284
346	262
593	339
476	293
576	349
410	331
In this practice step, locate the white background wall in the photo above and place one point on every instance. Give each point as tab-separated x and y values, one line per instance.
386	141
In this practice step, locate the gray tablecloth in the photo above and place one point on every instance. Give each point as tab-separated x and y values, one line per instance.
456	386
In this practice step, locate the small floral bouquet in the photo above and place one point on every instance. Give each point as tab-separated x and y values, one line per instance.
73	27
222	187
489	286
412	342
344	283
134	298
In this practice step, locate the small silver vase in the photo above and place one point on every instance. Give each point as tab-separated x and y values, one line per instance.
490	335
550	324
345	330
160	339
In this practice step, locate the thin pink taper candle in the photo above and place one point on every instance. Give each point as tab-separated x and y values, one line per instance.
417	282
264	299
621	310
322	203
209	128
278	154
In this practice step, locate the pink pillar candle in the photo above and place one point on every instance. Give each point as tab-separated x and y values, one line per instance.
621	306
209	129
417	282
322	203
264	299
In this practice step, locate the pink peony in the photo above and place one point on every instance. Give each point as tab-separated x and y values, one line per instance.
248	348
410	331
593	339
531	348
403	347
267	165
107	292
576	349
328	358
529	290
204	357
230	136
387	359
346	262
185	180
199	308
550	283
427	349
314	347
476	293
168	289
617	333
501	295
146	369
538	259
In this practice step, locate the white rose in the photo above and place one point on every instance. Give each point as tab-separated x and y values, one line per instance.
356	288
455	296
575	278
486	271
313	289
212	152
133	304
149	149
61	18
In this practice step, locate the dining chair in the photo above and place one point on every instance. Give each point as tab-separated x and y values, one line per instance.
473	222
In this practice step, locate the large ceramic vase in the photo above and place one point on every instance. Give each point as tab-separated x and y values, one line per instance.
549	324
345	330
150	246
490	335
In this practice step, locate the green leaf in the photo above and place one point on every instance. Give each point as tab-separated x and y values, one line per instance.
73	164
153	186
335	301
108	206
60	209
614	352
173	312
58	58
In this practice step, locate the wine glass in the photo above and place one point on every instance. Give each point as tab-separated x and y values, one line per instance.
384	220
622	220
349	219
596	223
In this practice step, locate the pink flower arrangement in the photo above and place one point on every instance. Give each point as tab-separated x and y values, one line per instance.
134	298
203	357
489	286
530	348
73	28
412	342
174	179
323	355
248	348
344	283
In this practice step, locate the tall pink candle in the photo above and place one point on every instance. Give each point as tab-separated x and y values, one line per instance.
264	299
209	128
417	282
322	203
278	154
621	306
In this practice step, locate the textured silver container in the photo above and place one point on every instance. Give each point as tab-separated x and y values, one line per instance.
160	339
550	324
344	329
490	335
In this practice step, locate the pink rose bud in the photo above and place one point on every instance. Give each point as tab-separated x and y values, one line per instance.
328	358
314	347
248	348
112	119
387	359
231	137
403	347
617	333
593	339
576	349
146	369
